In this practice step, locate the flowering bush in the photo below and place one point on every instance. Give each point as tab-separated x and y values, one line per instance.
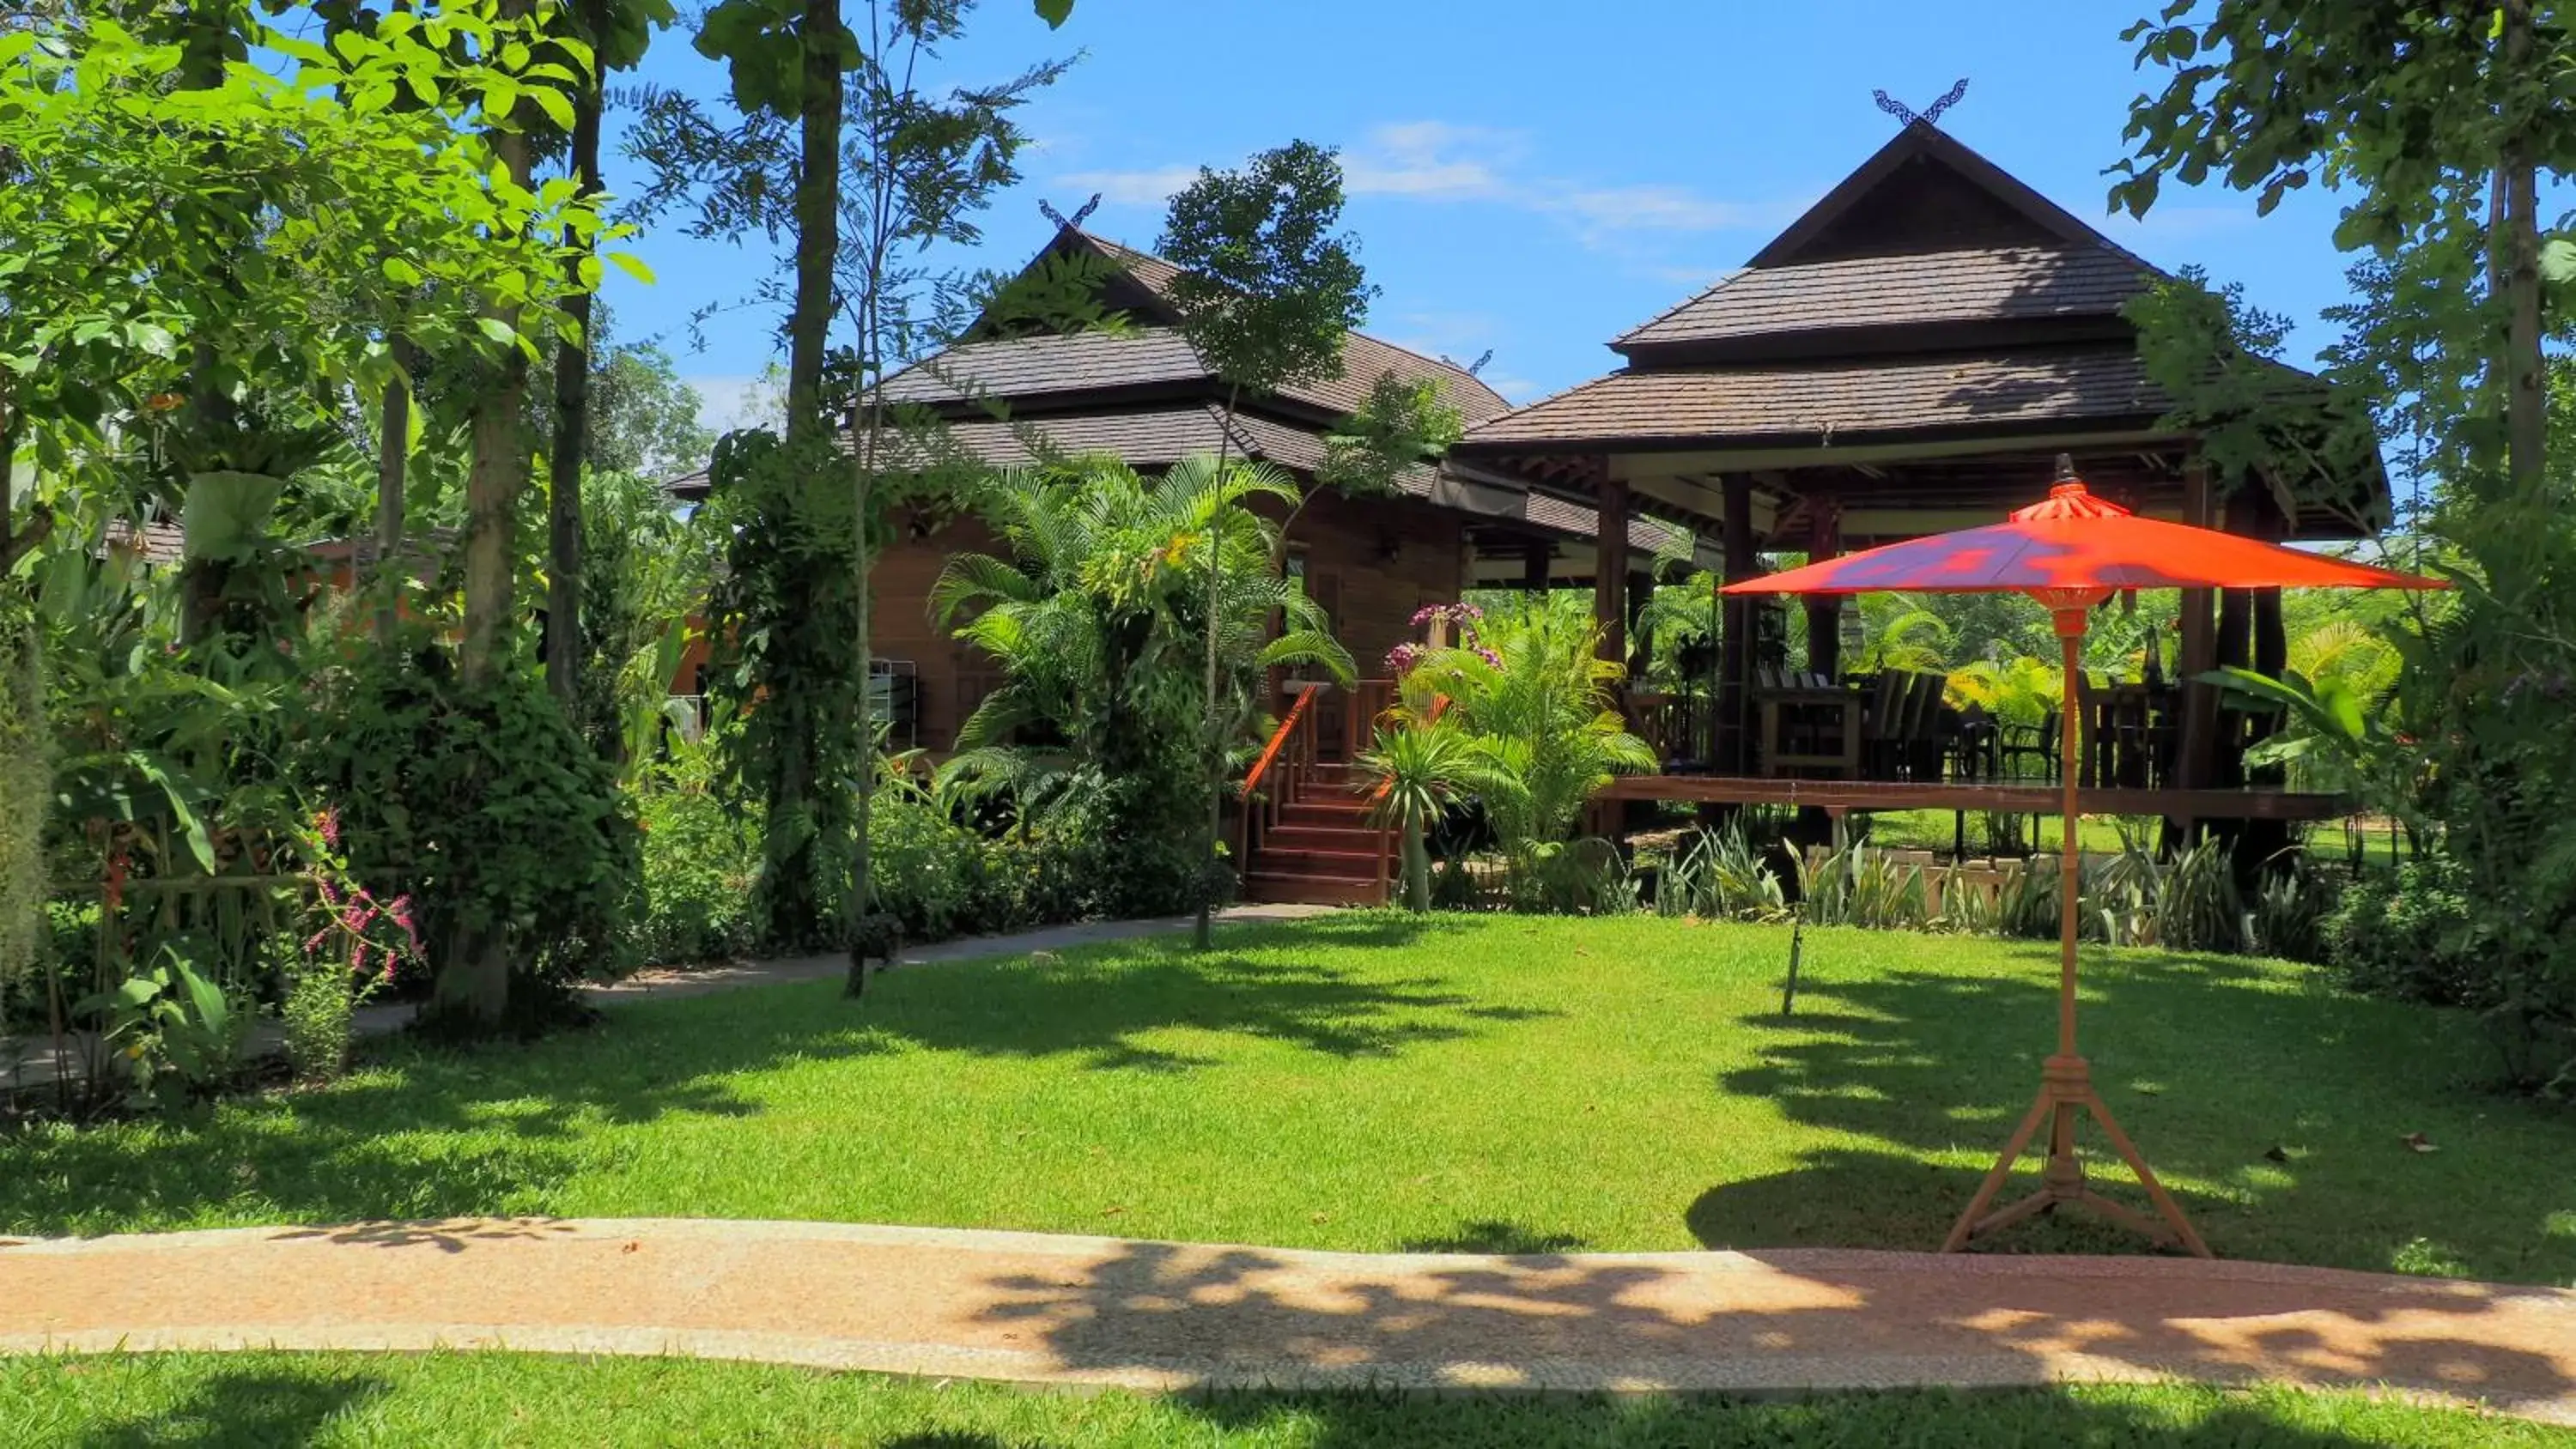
358	946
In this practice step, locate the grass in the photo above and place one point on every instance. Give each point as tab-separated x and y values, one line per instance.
438	1400
1377	1082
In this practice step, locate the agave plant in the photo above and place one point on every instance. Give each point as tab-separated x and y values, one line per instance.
1418	768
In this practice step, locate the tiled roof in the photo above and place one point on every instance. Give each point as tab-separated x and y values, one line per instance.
1050	363
1818	402
1364	358
159	542
1023	367
1952	286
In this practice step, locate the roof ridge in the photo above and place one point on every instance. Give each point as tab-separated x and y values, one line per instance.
1417	355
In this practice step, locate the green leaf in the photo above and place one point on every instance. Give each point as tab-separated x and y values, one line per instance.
2558	259
498	330
152	338
552	102
401	273
1055	12
632	265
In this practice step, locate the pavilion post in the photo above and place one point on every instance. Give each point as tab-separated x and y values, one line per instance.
1824	612
1537	561
1610	572
1735	650
2195	752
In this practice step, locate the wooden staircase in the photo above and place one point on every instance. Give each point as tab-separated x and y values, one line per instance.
1306	834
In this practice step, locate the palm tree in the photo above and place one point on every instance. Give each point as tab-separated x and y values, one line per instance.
1420	765
1099	621
1533	691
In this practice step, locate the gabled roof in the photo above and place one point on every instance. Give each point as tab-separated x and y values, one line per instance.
1820	405
1926	191
1974	285
1364	358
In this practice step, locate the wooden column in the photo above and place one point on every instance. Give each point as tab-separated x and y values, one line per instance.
1824	611
1536	564
1735	640
2199	655
1610	571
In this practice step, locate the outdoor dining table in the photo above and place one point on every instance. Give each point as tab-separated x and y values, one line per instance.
1843	737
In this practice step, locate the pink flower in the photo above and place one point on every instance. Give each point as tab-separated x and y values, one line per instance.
330	892
328	822
358	958
1402	658
313	943
1490	657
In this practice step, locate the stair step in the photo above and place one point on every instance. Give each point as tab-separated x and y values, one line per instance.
1318	837
1317	890
1340	864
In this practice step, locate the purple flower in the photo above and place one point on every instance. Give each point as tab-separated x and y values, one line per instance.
1489	656
1402	658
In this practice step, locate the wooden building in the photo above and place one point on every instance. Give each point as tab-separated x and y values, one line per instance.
1907	357
1141	394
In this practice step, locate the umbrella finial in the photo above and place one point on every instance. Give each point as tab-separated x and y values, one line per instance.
2065	468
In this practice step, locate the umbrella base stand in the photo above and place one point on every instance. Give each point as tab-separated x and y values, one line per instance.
2065	1095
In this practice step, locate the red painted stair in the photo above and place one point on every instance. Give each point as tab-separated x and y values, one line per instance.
1307	836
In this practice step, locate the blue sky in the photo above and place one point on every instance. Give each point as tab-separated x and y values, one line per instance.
1535	178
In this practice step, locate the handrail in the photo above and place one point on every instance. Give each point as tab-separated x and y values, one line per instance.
1279	739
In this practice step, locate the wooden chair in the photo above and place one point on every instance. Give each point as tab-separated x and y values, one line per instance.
2037	743
1976	745
1924	741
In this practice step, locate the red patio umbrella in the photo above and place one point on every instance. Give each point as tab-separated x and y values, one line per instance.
2071	552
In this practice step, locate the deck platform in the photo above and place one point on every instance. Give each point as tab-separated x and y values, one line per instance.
2001	798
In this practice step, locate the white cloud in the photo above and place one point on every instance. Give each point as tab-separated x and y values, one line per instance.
1437	162
729	401
1423	159
1133	188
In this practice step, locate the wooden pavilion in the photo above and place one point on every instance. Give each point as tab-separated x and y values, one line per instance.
1908	357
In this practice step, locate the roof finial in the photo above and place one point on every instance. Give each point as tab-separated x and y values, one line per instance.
1047	210
1906	115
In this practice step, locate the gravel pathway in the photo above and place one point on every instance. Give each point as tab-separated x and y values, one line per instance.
1101	1311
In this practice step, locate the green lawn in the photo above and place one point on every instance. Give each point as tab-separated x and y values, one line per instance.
1380	1082
260	1400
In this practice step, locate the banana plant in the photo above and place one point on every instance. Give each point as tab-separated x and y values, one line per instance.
2337	736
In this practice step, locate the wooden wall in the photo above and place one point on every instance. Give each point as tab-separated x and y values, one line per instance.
1343	544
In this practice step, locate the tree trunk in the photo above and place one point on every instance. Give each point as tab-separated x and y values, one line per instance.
473	985
393	464
572	402
2526	401
203	580
1203	924
1417	867
818	207
492	487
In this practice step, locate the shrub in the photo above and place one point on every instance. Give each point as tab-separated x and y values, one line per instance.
483	805
2409	933
700	862
926	870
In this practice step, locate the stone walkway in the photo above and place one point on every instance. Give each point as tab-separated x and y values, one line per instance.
27	1063
1157	1316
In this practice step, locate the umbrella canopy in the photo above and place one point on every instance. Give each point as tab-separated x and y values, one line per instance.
2071	552
2076	541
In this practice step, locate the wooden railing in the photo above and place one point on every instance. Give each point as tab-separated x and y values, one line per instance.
1281	774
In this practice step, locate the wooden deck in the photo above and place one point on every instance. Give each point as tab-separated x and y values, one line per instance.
2019	798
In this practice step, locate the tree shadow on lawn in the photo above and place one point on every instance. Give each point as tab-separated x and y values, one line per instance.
1920	1418
238	1409
496	1130
1217	1316
2283	1112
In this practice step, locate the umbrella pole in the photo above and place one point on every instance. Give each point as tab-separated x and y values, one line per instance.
2066	1080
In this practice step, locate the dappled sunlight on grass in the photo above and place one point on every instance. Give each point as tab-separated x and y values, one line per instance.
1378	1082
